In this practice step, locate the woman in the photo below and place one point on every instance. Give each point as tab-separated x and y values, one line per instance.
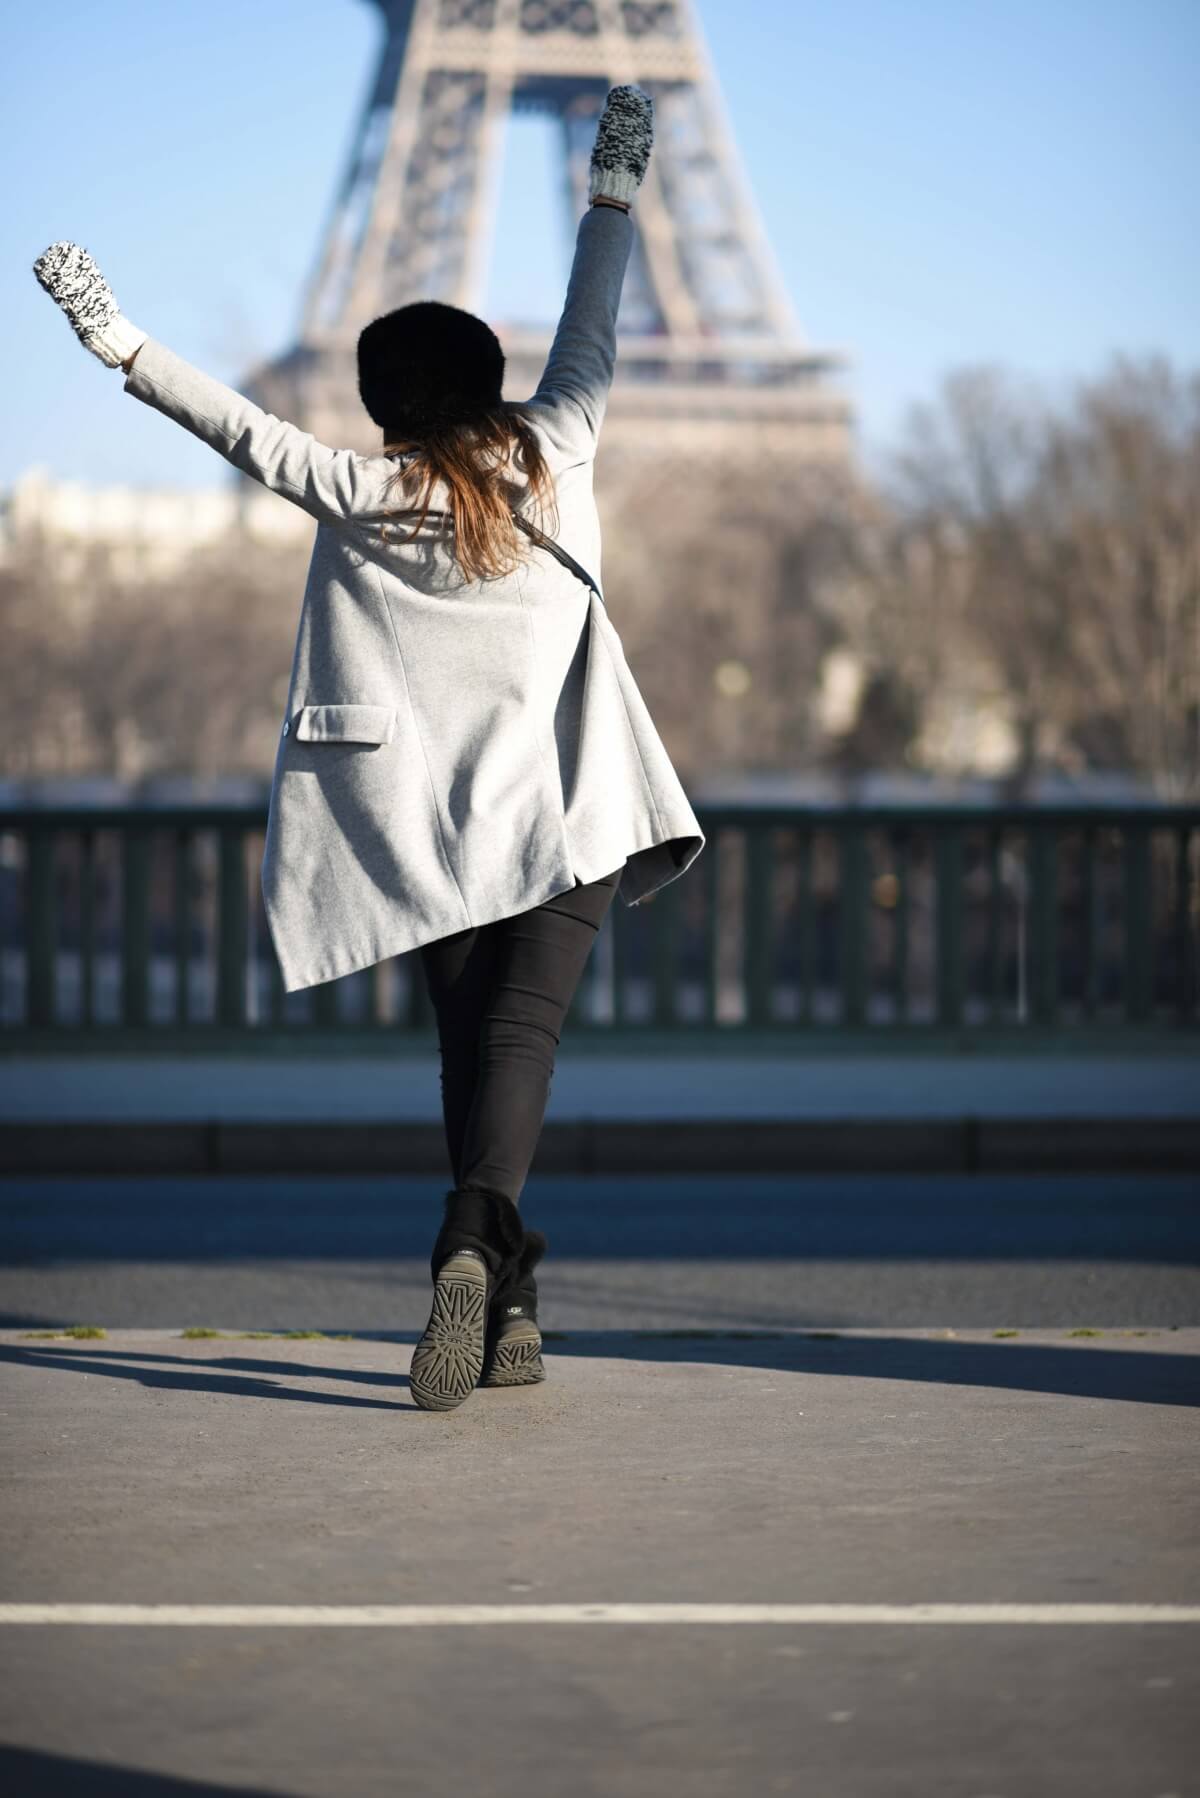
466	766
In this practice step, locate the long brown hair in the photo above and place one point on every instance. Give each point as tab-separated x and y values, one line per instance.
471	459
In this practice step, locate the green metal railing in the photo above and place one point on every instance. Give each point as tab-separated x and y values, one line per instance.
145	926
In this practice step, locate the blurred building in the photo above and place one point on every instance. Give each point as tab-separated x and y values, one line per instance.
146	532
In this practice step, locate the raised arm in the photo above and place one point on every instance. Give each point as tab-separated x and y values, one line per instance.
332	485
579	370
575	383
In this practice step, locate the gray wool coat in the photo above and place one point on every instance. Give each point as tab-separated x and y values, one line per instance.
452	752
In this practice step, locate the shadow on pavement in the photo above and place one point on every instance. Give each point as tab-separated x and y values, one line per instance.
250	1382
29	1773
1144	1376
1140	1376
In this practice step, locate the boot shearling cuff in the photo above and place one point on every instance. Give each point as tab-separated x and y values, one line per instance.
504	1222
480	1218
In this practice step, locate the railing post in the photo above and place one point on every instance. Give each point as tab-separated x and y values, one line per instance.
949	881
1138	960
758	938
182	896
325	1005
853	880
42	925
805	922
278	996
995	924
902	849
1043	922
712	926
231	928
664	916
1090	905
619	923
135	925
87	927
1185	927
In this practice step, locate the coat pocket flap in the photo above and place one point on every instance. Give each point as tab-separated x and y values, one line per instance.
346	723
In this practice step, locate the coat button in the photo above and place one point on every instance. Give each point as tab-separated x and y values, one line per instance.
287	727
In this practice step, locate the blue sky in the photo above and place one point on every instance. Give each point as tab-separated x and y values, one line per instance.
942	183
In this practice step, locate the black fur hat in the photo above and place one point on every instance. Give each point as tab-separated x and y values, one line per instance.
428	364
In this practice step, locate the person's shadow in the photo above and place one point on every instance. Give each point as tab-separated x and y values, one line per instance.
32	1773
236	1376
1091	1370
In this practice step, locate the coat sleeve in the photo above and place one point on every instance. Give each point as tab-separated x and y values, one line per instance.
573	390
334	486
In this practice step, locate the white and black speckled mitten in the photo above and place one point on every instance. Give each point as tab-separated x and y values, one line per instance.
622	149
72	279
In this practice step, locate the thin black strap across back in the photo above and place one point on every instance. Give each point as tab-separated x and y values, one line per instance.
556	549
540	538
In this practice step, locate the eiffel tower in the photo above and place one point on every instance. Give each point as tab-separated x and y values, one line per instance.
706	334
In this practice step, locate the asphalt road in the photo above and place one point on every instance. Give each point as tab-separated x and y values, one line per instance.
875	1436
677	1252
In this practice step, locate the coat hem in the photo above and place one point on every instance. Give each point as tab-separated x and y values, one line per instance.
355	964
295	981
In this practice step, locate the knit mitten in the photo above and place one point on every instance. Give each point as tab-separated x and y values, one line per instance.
74	282
621	152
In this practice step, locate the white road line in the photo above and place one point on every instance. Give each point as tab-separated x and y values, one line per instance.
424	1616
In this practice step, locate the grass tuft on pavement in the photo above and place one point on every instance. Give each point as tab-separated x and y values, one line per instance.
81	1332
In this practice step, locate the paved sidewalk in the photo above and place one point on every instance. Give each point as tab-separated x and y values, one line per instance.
838	1391
628	1113
404	1087
881	1467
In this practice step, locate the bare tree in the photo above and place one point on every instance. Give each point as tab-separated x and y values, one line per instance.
115	672
1048	563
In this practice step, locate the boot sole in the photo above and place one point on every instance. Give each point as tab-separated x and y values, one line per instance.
448	1359
516	1360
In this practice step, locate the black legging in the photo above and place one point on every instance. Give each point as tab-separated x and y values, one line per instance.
500	992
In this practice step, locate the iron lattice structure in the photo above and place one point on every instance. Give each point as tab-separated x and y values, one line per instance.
707	335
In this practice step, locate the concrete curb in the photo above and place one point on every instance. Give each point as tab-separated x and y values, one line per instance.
612	1146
